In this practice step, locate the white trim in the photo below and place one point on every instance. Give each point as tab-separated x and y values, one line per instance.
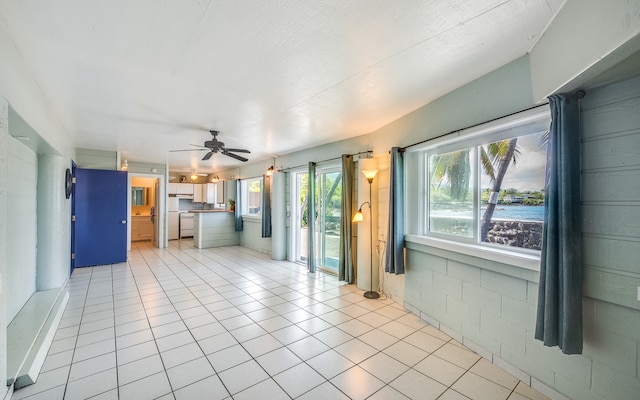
515	258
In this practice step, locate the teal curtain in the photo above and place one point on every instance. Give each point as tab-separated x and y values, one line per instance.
238	211
266	206
346	271
559	316
394	260
311	219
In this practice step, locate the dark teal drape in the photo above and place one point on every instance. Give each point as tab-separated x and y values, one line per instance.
394	261
559	318
346	272
311	219
238	211
266	206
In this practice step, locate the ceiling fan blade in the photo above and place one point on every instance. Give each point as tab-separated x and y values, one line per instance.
207	156
238	150
176	151
237	157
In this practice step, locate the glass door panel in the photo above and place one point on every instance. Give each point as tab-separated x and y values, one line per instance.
300	209
329	205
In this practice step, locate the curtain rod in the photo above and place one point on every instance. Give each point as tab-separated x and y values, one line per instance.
329	159
471	126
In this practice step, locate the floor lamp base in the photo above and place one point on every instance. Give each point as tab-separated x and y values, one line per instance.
371	295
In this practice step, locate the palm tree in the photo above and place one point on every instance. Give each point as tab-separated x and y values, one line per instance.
495	160
455	169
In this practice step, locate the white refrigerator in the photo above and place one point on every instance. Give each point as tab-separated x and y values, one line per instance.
173	218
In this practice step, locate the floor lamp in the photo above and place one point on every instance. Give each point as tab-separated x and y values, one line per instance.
369	170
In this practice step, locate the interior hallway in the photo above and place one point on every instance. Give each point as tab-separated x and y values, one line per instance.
230	323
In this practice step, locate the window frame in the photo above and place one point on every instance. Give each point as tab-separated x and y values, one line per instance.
245	197
530	121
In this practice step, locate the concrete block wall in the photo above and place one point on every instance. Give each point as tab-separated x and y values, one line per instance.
22	174
251	236
491	307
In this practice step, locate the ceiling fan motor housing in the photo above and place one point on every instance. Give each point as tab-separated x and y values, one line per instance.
214	145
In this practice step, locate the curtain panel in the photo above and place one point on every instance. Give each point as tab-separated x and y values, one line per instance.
266	206
394	260
311	219
346	262
238	210
559	315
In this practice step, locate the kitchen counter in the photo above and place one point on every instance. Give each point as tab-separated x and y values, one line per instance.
214	228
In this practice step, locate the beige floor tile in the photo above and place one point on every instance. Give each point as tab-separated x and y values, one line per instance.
459	356
495	374
324	391
357	383
330	363
479	388
384	367
388	393
440	370
527	391
416	386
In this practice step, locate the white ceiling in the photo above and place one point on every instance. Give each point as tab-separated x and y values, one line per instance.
147	76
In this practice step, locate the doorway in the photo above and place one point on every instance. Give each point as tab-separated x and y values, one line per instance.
146	210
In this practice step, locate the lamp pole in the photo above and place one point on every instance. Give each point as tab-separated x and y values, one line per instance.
371	294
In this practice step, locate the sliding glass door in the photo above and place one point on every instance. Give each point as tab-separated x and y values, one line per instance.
328	183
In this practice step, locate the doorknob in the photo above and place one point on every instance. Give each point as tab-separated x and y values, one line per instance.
124	221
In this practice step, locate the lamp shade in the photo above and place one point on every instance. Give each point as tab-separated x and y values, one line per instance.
358	217
369	168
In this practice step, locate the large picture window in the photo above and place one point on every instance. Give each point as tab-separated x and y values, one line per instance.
488	188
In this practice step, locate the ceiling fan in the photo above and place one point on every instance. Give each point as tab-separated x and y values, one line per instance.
215	146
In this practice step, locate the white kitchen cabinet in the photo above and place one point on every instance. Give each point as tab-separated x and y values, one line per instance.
220	193
210	193
180	188
173	188
198	193
213	193
185	188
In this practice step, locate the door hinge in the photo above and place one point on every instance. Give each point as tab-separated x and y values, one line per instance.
73	256
73	218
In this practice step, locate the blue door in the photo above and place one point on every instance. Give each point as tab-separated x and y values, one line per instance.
101	217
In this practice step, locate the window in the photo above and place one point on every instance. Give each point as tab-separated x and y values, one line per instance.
251	196
487	187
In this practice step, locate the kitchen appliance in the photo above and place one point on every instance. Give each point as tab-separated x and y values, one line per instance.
186	224
173	218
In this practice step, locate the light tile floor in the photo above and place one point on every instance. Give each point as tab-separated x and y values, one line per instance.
229	323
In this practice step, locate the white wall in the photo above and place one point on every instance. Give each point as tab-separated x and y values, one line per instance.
4	155
586	38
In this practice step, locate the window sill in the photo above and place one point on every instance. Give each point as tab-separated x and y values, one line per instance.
528	262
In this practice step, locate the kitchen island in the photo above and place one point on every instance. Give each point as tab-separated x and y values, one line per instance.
214	228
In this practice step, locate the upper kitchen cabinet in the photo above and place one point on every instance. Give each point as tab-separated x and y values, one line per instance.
198	193
213	193
180	188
